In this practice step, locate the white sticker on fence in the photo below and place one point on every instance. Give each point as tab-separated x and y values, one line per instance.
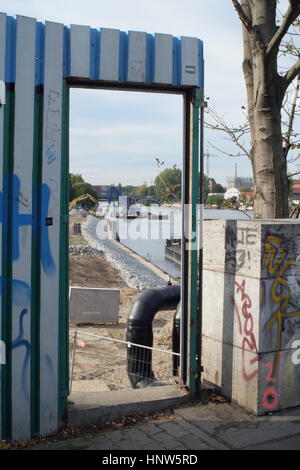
2	92
2	352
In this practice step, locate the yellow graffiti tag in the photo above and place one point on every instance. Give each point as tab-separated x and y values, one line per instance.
280	291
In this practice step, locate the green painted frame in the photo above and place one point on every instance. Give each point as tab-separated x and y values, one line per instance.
6	326
63	377
193	100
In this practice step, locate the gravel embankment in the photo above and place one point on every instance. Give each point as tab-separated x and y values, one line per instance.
134	273
78	250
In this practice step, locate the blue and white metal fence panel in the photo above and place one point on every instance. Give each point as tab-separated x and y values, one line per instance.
36	60
133	57
22	208
51	177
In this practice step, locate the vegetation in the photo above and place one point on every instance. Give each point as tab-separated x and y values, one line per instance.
232	202
167	187
168	184
216	200
205	188
126	190
78	187
220	189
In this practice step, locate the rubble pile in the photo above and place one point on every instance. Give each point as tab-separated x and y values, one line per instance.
85	250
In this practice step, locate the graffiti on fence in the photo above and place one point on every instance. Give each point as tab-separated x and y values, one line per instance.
12	187
280	306
277	298
238	245
270	398
20	341
11	200
53	125
21	297
242	308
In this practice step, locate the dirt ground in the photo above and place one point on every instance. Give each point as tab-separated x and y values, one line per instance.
105	360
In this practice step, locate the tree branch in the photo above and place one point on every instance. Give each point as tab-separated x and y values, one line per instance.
292	12
245	153
292	116
234	133
242	15
293	174
292	73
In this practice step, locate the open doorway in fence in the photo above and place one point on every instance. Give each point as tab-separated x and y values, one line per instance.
125	225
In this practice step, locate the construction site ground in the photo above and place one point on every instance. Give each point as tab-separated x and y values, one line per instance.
100	361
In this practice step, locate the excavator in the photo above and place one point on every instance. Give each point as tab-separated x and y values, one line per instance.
81	198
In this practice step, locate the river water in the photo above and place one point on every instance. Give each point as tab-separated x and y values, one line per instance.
147	237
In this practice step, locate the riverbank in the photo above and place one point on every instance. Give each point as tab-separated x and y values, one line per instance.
135	270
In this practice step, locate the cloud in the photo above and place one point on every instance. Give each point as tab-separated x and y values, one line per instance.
103	123
115	136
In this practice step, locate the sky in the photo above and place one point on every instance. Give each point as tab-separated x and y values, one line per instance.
116	136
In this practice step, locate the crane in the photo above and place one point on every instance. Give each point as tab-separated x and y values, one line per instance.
81	198
208	155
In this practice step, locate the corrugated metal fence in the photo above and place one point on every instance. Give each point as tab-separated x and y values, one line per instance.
36	61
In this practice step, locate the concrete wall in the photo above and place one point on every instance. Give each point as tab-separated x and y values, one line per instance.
251	312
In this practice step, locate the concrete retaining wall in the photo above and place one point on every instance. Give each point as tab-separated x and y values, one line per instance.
251	312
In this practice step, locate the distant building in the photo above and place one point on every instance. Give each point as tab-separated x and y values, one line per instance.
212	184
239	182
101	190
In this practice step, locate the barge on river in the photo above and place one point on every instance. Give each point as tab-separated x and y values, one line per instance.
173	250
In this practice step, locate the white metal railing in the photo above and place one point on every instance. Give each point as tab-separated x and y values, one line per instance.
120	364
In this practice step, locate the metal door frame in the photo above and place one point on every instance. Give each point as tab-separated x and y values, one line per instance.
190	369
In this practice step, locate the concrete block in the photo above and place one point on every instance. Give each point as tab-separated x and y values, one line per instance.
232	246
244	379
251	311
245	301
279	381
212	360
280	286
233	370
213	302
94	305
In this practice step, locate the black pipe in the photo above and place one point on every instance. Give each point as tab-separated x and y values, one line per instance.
139	331
176	339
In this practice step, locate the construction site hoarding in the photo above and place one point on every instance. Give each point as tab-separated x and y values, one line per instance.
38	62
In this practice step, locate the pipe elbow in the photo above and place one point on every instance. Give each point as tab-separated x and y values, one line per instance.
139	330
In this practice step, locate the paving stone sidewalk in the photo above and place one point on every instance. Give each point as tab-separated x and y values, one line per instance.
198	427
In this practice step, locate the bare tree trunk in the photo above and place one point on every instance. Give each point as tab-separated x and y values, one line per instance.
271	195
265	92
271	182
